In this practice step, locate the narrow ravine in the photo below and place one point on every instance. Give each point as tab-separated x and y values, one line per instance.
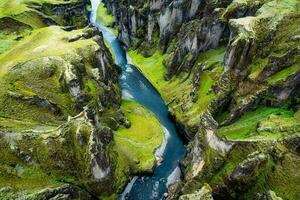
137	88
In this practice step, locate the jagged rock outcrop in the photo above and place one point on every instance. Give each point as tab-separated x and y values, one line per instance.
232	73
203	35
18	19
270	195
63	192
204	193
247	171
54	103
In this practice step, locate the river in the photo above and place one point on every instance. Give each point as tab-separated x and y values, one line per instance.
137	88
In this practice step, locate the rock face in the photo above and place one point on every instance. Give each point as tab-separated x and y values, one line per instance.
230	76
204	193
63	192
59	94
75	80
19	18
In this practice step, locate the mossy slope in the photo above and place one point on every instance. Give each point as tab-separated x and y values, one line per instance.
231	102
138	143
18	18
54	77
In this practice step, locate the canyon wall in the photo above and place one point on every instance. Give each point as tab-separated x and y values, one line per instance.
229	72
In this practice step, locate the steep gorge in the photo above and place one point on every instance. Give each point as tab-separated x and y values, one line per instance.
229	71
62	126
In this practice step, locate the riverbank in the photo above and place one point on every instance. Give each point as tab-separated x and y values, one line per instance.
229	72
137	88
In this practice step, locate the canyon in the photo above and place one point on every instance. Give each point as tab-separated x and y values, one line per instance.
93	95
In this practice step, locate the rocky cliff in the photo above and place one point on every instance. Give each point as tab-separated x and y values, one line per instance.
229	71
60	104
48	75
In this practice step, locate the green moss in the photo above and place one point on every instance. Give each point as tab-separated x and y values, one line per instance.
205	96
52	157
285	174
135	146
283	74
105	17
261	182
152	67
276	175
29	177
48	57
137	143
236	156
182	106
212	56
257	67
32	179
246	127
91	88
278	8
10	125
122	170
23	11
7	41
41	43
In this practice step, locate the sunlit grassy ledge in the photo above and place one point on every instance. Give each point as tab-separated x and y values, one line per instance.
138	143
154	70
105	18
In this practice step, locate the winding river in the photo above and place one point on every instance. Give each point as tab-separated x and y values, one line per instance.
137	88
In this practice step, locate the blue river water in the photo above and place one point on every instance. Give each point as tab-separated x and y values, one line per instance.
137	88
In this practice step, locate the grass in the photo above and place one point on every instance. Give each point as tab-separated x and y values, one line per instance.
7	41
154	70
212	56
284	16
138	143
276	175
32	178
10	37
257	67
184	109
277	8
47	54
105	17
50	41
152	67
19	17
204	96
43	172
246	127
20	11
283	74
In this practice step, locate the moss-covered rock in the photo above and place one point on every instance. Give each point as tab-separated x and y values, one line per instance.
54	97
237	100
18	18
204	193
136	142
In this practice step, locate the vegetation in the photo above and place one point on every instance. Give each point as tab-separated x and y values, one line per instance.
257	96
250	125
105	18
43	47
138	143
172	91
